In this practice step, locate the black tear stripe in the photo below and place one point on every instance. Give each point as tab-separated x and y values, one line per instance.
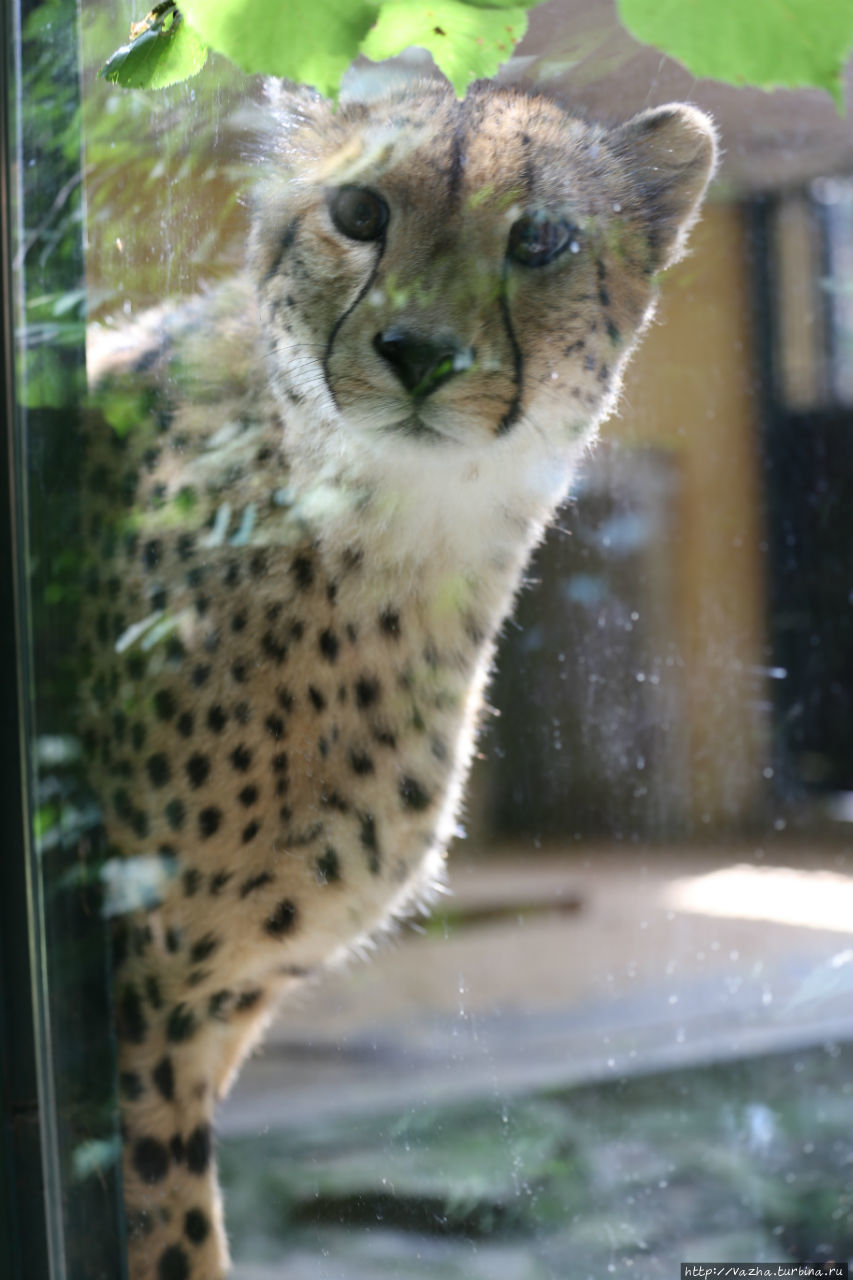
512	414
341	320
454	173
529	172
285	243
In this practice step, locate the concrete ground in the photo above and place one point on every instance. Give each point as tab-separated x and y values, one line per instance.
548	967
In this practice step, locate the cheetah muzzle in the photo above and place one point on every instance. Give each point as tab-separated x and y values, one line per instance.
310	497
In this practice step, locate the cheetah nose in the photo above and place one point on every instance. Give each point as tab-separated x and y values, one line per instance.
422	364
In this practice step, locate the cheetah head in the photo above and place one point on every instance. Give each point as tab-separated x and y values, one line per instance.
436	273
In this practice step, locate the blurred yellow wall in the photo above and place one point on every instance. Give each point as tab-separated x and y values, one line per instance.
692	392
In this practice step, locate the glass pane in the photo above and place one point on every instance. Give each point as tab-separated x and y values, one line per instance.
624	1041
68	933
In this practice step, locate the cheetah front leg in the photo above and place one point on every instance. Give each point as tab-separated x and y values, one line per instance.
173	1205
176	1061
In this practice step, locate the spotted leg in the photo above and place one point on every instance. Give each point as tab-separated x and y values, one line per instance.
174	1210
176	1061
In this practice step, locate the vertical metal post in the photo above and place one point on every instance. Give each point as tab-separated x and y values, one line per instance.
24	1249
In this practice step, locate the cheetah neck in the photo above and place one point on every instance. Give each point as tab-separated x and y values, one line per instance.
431	515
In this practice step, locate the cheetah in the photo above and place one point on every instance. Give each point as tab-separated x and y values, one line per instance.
311	493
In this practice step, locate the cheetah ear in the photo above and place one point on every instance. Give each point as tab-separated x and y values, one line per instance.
293	106
285	125
671	153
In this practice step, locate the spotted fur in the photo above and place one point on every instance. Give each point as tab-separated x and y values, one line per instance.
305	537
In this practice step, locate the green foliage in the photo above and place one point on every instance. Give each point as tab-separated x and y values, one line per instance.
314	41
123	407
49	374
302	40
768	43
467	42
162	51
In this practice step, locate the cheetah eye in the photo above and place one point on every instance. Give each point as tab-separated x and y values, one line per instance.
358	213
536	239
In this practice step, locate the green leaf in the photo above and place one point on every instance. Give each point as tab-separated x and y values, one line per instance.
467	42
314	41
768	43
311	41
497	4
165	51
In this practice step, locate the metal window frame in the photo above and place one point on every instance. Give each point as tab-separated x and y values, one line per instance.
56	1222
25	1158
